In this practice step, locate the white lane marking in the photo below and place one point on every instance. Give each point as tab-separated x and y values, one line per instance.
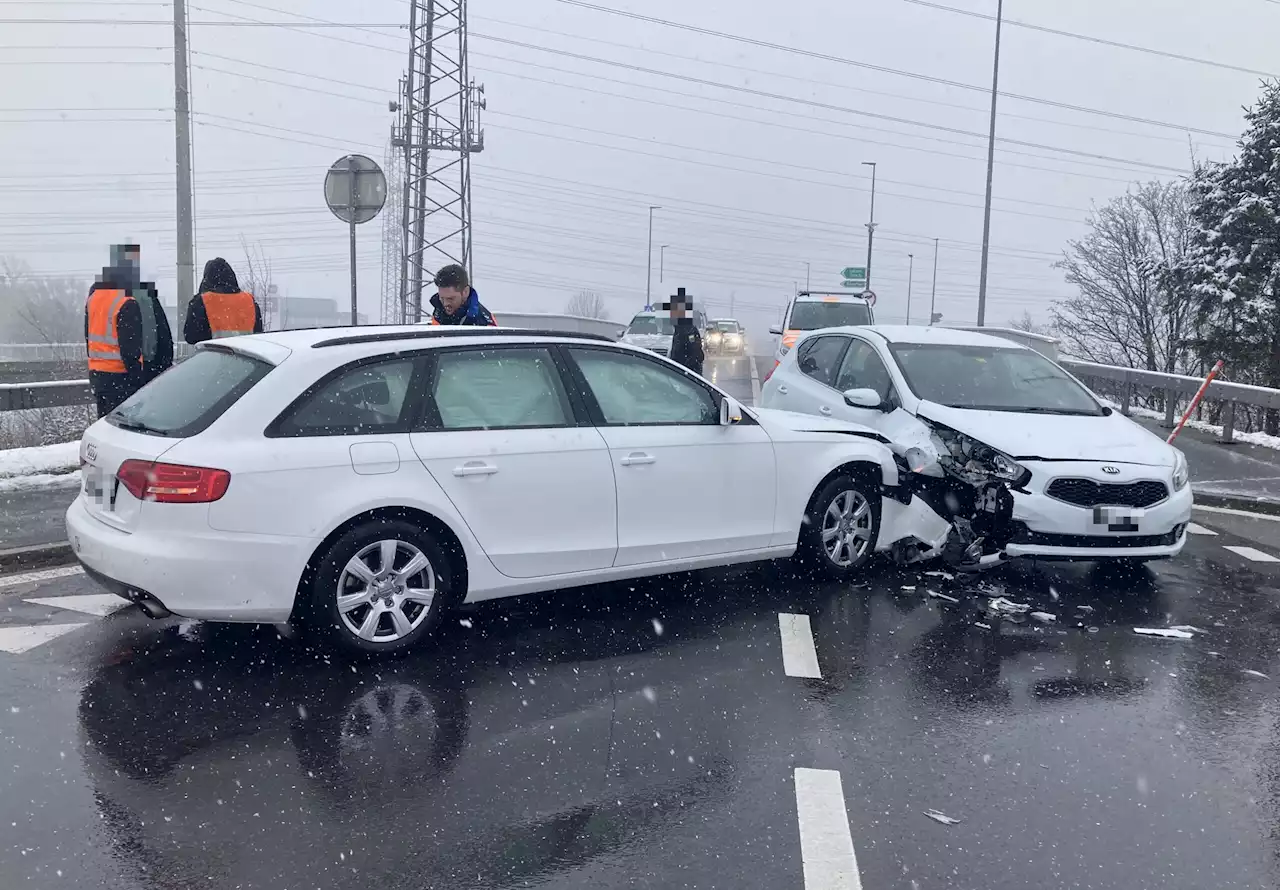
1239	479
799	658
1252	553
826	846
100	604
42	575
1228	511
20	639
755	382
1200	530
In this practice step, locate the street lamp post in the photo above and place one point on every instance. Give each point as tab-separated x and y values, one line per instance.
806	276
911	270
991	159
933	298
871	222
648	266
662	261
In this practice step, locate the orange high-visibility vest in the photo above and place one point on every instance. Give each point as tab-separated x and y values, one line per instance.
230	315
103	344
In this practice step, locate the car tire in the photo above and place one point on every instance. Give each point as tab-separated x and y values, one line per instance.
382	610
839	506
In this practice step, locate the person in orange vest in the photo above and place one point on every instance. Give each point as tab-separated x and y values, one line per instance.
114	332
221	309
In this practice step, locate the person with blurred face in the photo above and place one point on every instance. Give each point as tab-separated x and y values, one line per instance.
456	301
127	333
686	342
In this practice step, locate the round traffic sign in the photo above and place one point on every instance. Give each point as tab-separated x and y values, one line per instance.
355	189
869	296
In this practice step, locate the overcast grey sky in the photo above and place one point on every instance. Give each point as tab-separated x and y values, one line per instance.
753	188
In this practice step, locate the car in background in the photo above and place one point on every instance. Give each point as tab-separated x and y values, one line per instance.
726	337
811	310
995	428
362	481
652	331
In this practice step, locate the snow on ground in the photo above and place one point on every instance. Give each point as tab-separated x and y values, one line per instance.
39	480
61	459
1261	439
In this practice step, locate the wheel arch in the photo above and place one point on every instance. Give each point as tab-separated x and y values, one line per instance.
447	537
868	471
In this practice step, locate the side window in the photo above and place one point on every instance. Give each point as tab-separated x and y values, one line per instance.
863	368
820	357
476	389
634	391
364	399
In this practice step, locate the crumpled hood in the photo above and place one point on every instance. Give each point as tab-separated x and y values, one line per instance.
1113	438
793	420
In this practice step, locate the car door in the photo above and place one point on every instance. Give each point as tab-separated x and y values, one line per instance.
811	391
687	486
528	473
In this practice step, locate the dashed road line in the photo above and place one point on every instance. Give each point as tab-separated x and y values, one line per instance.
42	575
826	845
1229	511
799	657
1252	554
1194	529
99	604
17	640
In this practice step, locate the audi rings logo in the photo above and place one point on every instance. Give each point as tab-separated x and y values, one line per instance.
1111	471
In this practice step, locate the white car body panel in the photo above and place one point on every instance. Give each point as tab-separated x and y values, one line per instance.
1109	449
560	511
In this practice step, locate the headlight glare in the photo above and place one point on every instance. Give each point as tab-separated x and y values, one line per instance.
1181	473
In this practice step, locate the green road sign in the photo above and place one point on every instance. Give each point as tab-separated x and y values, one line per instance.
849	282
855	273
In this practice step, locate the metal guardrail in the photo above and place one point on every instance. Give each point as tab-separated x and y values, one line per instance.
1174	385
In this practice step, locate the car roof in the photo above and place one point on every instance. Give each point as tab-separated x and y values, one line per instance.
815	297
926	334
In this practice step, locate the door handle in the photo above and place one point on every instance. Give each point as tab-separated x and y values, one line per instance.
637	458
782	390
475	468
825	411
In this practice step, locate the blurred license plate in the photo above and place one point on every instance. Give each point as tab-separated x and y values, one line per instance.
98	489
1118	519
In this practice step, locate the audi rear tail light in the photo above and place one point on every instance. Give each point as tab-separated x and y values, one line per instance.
172	483
771	370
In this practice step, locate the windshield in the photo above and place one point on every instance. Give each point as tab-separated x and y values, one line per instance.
727	327
810	315
651	324
988	378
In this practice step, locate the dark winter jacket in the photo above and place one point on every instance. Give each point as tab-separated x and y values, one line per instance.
686	345
157	336
219	278
470	312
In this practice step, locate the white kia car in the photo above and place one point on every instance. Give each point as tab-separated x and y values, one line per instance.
1009	439
363	480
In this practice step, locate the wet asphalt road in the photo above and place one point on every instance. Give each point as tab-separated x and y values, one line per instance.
648	735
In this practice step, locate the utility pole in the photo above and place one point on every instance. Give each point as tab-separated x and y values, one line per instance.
933	299
991	160
806	276
182	121
648	266
662	261
911	271
871	223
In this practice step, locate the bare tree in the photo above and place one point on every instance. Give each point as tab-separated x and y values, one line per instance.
1134	305
256	278
36	309
1030	325
587	304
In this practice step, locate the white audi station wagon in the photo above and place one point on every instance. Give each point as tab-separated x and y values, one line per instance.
363	480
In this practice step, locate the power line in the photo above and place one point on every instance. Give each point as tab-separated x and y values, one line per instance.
1099	40
884	70
238	24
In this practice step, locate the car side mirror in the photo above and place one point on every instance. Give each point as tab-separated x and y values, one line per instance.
775	329
730	412
863	398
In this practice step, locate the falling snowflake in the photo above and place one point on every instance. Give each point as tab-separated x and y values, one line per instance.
657	627
198	684
649	694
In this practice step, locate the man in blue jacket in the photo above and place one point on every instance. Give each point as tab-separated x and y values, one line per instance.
457	301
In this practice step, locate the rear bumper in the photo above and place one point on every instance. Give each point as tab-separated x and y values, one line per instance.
191	569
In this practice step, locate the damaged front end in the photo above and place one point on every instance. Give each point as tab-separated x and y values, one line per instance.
962	505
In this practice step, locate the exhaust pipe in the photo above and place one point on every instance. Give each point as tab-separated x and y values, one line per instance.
150	606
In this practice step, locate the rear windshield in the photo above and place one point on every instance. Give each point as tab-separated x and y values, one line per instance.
810	315
188	397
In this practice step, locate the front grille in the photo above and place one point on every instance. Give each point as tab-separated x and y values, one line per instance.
1087	493
1024	535
661	350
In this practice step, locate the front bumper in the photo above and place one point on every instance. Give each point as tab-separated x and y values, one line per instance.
189	568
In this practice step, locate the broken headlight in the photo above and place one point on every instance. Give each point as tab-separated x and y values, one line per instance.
975	461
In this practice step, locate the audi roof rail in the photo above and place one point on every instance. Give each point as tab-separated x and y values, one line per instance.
459	331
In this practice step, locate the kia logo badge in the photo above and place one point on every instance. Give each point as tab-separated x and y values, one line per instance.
1111	471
